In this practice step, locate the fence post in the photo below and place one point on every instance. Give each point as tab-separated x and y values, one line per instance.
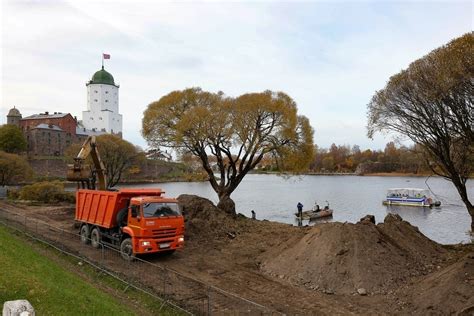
209	301
164	282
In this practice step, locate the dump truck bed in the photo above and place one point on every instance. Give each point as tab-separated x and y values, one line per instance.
101	207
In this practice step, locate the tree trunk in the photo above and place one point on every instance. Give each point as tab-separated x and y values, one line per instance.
226	204
470	209
471	212
461	187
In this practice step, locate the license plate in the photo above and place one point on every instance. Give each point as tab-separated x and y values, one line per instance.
165	245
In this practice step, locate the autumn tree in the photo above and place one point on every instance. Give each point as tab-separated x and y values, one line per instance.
432	103
13	169
237	132
117	155
12	139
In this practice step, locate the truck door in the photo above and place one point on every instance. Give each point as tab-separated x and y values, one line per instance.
134	218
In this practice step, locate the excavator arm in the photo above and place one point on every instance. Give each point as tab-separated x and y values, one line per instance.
84	174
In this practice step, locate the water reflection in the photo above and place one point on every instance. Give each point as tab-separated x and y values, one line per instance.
409	213
299	220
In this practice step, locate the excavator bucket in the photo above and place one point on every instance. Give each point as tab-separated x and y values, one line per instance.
80	172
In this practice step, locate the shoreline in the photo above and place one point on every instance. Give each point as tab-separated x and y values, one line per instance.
375	174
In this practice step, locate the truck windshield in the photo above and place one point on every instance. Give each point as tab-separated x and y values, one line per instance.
157	209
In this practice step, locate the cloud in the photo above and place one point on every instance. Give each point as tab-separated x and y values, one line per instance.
329	57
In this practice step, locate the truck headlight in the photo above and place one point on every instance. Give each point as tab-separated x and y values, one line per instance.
181	239
146	243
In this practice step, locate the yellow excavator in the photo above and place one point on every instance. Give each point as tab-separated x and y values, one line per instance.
85	175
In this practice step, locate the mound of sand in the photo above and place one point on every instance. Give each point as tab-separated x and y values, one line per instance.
343	257
204	220
447	291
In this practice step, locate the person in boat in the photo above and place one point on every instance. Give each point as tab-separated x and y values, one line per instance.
299	206
316	207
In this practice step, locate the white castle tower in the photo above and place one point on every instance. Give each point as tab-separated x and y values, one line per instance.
102	104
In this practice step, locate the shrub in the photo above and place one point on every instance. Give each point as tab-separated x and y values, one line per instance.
13	194
13	169
47	192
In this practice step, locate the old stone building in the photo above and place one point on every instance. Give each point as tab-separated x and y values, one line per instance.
49	134
47	140
14	117
65	121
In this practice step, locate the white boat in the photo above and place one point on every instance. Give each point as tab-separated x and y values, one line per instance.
410	197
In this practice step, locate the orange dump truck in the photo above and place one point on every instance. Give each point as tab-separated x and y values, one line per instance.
135	221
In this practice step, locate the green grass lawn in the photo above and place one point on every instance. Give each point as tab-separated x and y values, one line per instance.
51	289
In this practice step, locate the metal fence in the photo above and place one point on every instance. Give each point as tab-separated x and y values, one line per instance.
167	286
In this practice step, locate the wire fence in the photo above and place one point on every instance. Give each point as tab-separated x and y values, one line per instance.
170	288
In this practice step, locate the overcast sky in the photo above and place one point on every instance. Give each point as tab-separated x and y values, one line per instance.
330	57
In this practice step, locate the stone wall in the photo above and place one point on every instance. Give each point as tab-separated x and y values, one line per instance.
147	171
50	168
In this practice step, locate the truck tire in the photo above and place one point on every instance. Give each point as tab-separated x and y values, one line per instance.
85	234
95	237
126	249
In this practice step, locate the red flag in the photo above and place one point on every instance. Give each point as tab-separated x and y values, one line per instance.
106	56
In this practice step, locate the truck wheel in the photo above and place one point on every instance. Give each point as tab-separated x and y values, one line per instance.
85	234
126	249
95	237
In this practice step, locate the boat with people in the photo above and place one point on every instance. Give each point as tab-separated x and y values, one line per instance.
316	212
410	197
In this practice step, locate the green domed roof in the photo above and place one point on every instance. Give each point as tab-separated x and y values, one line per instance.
103	76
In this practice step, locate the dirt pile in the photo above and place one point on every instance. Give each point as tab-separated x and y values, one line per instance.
344	258
448	290
203	220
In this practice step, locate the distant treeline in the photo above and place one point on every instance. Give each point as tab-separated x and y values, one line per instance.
352	159
347	159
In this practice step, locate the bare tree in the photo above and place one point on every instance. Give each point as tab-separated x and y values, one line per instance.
432	103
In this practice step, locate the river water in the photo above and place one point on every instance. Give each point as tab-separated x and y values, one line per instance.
274	198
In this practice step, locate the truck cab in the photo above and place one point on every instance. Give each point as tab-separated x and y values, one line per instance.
155	223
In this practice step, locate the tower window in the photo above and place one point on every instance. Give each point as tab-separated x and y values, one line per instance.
95	100
95	91
100	118
106	100
106	92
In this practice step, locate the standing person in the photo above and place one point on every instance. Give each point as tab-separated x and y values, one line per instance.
254	215
299	206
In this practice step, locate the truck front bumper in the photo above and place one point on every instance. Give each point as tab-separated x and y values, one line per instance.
150	245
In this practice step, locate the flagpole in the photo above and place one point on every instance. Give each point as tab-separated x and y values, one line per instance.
102	60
